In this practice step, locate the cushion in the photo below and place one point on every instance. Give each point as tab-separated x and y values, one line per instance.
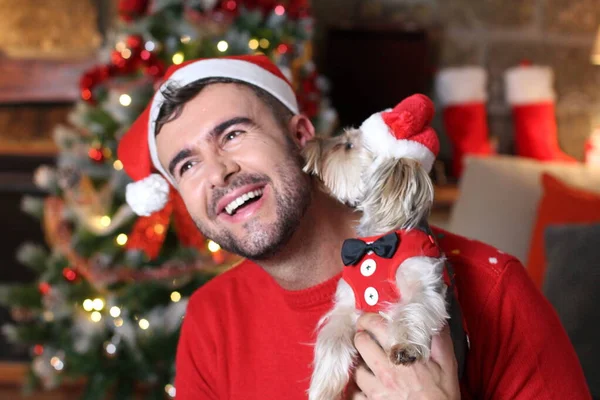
560	204
571	285
499	195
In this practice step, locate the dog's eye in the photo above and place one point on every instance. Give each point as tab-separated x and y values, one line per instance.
349	145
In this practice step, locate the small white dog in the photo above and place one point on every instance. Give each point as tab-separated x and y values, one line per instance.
395	268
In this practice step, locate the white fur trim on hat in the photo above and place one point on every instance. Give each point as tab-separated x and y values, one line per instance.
459	85
529	84
379	140
224	68
148	195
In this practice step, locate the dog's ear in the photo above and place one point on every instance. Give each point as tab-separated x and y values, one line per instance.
399	194
312	153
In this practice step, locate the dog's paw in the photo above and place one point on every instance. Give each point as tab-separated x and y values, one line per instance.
405	354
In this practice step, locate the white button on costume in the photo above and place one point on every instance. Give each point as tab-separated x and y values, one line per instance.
371	296
368	267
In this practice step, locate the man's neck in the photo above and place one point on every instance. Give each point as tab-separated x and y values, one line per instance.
313	253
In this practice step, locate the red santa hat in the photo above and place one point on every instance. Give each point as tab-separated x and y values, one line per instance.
404	131
137	148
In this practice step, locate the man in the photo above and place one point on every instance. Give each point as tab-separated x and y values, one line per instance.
232	151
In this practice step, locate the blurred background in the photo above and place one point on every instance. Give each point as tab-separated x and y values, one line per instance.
91	296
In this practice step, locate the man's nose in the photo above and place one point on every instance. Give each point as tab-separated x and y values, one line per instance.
219	169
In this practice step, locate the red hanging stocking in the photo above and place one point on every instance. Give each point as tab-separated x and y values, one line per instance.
462	92
530	93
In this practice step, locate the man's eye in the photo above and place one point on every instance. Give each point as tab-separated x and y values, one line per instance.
232	135
185	166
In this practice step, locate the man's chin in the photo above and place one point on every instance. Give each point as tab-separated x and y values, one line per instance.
257	247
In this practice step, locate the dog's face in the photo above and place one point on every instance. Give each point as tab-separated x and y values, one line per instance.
340	162
391	192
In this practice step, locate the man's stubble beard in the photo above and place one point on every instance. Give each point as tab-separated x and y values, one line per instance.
292	200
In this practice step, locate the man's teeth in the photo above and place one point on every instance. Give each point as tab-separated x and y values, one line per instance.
235	204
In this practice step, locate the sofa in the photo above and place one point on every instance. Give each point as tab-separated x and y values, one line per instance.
548	216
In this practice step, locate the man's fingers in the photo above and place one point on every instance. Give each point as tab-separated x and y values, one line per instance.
370	351
375	324
442	350
359	396
365	380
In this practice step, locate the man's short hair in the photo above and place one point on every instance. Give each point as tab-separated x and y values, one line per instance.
176	98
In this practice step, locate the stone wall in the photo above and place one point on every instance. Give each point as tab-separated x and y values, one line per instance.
498	34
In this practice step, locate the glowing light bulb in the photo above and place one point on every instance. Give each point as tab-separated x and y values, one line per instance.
115	311
96	316
253	44
121	239
213	247
118	322
149	45
118	165
144	324
105	221
159	229
280	10
175	297
88	305
264	43
178	58
98	304
222	46
57	363
126	53
125	100
120	46
111	348
185	39
170	389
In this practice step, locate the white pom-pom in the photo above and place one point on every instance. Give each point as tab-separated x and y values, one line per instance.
147	196
458	85
529	84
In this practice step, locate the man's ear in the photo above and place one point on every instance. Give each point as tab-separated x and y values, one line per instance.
302	129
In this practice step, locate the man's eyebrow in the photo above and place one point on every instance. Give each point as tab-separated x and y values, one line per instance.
178	157
222	127
216	131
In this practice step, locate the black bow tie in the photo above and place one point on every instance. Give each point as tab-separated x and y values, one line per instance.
355	249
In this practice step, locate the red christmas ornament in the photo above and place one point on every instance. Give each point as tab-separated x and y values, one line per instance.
149	233
131	9
145	55
44	288
230	5
69	274
283	48
91	78
96	154
135	43
38	349
123	65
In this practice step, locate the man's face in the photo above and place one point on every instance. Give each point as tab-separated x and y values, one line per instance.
238	172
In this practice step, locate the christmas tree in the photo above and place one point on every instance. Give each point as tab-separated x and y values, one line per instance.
112	287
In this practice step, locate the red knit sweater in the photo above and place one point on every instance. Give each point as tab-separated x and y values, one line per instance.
246	338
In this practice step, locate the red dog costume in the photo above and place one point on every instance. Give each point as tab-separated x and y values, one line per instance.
372	276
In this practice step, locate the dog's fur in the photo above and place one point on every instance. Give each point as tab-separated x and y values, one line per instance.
391	194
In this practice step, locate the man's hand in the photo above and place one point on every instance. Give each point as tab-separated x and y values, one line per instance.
435	379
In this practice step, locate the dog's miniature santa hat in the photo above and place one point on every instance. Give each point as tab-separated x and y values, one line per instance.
137	148
404	131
